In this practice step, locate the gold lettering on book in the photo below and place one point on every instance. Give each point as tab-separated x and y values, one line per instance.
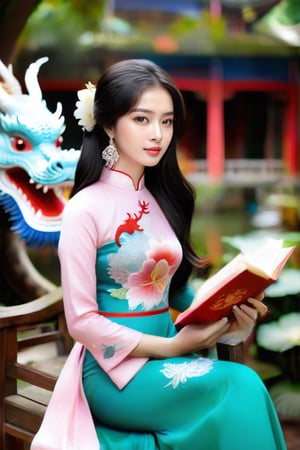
229	299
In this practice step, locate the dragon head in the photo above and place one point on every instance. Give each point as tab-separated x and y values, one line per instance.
34	170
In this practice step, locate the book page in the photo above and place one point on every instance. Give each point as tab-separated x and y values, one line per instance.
268	258
235	266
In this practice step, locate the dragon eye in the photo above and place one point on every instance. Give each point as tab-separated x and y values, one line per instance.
20	144
59	141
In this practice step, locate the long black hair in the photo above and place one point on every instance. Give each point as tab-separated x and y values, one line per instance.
117	91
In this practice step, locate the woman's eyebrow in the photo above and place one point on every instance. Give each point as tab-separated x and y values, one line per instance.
149	111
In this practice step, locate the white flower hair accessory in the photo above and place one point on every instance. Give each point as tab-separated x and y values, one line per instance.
84	111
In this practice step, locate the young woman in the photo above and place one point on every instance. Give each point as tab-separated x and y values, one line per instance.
132	380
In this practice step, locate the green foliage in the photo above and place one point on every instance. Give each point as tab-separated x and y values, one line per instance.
216	25
184	24
86	11
286	13
80	23
207	194
62	21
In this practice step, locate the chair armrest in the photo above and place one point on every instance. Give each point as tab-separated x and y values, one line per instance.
230	349
34	311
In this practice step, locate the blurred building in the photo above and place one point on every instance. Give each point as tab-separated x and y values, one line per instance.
240	81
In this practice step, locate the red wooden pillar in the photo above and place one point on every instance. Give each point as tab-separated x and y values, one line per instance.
289	144
215	147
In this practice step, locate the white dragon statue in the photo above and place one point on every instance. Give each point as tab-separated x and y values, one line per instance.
34	173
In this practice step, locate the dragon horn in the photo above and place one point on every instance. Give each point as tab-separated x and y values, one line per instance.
31	80
13	86
5	100
9	79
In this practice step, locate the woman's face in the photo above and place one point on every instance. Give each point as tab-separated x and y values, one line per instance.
143	135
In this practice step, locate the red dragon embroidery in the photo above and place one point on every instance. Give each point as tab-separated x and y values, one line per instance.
130	224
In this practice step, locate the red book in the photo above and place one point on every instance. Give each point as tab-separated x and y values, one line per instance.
243	277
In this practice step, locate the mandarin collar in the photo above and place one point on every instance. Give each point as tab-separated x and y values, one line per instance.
121	179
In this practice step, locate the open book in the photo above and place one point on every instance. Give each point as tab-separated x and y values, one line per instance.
243	277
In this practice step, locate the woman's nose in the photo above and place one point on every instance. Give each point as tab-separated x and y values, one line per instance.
156	132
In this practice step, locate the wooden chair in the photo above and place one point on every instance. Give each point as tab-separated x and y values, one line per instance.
26	388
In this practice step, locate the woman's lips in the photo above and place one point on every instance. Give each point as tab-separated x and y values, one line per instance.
153	151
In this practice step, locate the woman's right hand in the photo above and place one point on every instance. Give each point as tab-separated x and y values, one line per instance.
193	338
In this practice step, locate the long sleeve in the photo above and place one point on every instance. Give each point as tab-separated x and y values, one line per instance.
109	343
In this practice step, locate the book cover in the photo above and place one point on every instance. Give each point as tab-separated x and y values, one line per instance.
243	277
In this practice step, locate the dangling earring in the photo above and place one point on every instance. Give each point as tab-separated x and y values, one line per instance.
110	154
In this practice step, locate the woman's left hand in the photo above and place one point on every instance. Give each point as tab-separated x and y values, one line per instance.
246	316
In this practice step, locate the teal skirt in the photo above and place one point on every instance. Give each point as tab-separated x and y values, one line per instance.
183	403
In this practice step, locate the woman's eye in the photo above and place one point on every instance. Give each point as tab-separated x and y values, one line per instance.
141	119
168	122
